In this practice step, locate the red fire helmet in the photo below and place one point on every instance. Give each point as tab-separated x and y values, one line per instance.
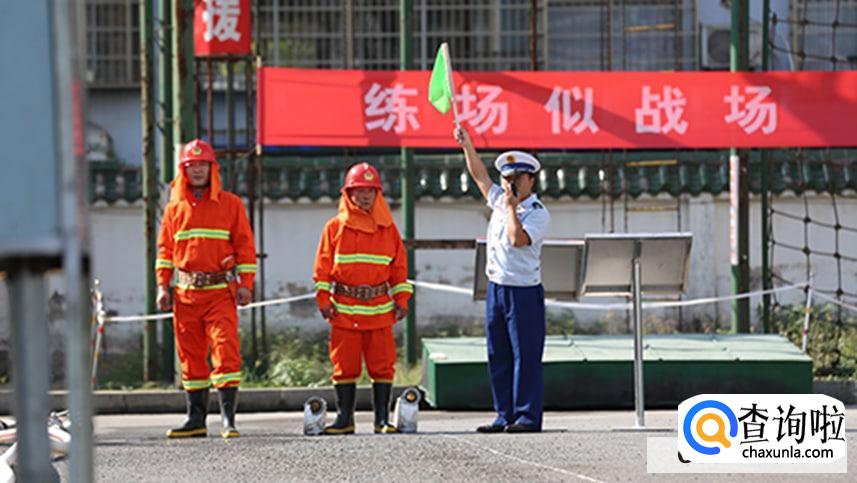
198	150
363	175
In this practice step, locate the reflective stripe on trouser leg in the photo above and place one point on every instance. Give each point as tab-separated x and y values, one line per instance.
525	311
221	324
345	353
379	351
191	345
500	357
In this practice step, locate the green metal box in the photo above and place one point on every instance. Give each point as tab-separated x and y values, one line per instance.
596	372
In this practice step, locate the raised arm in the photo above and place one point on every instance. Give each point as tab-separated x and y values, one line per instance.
475	166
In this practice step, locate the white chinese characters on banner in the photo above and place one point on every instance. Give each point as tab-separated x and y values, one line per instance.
221	20
661	113
563	115
387	108
754	113
482	110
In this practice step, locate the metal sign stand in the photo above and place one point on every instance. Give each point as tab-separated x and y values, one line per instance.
606	273
561	264
636	296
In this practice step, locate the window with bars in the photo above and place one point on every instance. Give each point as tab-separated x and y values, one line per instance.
299	33
622	35
364	34
483	34
113	43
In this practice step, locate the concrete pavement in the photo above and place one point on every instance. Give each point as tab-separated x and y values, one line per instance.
575	446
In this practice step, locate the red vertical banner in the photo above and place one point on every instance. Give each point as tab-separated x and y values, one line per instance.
222	27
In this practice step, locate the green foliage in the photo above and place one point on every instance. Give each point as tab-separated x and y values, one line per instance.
301	359
124	371
297	358
559	322
121	371
474	328
832	339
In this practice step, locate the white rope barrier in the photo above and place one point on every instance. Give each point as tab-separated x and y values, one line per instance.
834	301
287	300
442	287
548	302
263	303
622	305
136	318
687	303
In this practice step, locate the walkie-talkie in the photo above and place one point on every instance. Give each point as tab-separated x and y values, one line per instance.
514	189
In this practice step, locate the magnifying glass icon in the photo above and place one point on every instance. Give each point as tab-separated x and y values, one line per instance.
718	436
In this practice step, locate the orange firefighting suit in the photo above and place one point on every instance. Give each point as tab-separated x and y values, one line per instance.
209	234
360	248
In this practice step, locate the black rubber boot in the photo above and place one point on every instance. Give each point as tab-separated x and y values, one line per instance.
346	401
228	406
197	409
381	392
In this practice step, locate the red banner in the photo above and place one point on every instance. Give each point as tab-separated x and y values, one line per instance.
221	27
560	109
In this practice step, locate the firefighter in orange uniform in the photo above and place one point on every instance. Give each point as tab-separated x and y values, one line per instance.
206	238
362	290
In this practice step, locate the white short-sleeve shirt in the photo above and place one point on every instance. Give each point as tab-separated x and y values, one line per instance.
506	264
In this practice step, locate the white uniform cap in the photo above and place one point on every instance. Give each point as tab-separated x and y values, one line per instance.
514	162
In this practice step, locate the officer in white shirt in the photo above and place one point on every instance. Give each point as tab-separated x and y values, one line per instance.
515	302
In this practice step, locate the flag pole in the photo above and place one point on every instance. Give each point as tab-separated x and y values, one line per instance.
445	47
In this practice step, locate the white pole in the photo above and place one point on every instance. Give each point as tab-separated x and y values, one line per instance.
445	48
99	331
807	313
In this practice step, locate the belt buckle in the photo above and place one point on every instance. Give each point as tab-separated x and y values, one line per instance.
229	276
197	279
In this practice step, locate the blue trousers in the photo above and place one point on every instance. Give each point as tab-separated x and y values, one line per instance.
515	328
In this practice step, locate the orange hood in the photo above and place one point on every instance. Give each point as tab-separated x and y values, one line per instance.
181	189
353	217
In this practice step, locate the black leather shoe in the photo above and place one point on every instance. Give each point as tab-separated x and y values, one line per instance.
521	428
490	428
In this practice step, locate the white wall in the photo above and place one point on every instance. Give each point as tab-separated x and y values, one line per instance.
292	230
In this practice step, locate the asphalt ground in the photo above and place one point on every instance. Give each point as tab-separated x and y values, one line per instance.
574	446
